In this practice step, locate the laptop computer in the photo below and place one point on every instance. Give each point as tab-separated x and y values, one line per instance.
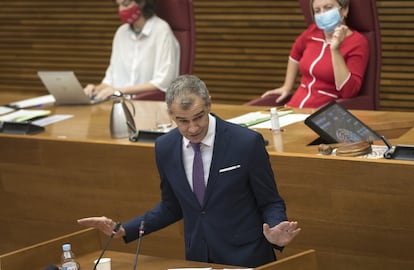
65	88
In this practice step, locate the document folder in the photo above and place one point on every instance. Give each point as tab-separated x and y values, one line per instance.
20	128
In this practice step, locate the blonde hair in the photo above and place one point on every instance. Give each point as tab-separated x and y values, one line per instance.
342	4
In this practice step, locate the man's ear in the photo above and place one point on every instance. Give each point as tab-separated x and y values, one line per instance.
209	104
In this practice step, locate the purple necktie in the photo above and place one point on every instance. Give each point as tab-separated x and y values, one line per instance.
198	173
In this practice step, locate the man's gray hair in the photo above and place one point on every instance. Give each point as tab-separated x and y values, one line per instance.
184	89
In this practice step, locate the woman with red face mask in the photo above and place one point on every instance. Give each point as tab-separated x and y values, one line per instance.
145	53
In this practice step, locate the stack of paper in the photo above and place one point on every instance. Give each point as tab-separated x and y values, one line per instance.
33	102
5	109
23	115
261	119
250	119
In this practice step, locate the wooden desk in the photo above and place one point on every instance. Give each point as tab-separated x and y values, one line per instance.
354	212
89	244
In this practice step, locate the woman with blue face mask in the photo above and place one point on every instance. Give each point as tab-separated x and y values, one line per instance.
331	58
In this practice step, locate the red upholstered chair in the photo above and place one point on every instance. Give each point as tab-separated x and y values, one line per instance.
362	17
180	16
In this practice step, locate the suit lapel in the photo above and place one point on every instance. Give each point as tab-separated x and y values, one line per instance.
221	143
176	164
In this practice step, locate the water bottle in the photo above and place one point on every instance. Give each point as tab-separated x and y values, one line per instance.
274	120
68	258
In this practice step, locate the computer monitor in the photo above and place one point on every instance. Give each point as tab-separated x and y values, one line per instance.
335	124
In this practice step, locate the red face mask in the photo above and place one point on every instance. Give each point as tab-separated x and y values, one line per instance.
130	15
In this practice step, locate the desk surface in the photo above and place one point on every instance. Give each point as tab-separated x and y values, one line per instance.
91	123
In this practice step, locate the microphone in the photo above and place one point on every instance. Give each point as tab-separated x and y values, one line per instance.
140	234
114	231
51	267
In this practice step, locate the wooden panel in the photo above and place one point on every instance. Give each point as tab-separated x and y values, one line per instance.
242	46
397	30
71	181
348	208
302	261
48	252
54	35
88	244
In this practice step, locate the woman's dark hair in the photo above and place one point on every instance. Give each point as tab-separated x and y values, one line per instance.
147	7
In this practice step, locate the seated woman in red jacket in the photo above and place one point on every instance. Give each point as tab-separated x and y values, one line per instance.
331	58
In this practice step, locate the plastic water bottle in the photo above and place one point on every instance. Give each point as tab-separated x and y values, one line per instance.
274	120
68	258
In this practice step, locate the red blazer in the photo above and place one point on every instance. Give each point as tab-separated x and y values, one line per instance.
317	86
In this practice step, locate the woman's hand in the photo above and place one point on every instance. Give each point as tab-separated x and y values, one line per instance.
282	93
338	36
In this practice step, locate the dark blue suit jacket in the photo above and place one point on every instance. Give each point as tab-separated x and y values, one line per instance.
241	195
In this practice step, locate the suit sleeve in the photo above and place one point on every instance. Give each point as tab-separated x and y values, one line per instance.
263	184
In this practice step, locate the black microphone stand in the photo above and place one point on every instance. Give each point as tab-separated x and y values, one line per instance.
140	234
116	229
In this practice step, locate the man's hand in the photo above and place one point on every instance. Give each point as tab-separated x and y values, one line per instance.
104	224
281	234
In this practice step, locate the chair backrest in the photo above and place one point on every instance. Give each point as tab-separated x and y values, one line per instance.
363	17
179	14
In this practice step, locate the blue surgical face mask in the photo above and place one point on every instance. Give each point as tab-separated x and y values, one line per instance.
328	20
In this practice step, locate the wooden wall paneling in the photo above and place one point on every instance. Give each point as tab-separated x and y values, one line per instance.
349	212
54	35
397	30
242	46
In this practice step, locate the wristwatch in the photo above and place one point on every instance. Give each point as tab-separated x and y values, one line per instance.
118	93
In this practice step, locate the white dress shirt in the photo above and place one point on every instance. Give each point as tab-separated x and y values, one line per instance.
151	56
206	148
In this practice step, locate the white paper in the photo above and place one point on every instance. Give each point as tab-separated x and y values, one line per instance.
249	118
51	119
284	120
23	115
255	118
33	102
5	109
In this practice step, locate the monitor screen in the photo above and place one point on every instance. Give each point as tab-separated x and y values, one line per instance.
335	124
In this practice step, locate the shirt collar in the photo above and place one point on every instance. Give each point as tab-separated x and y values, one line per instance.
148	26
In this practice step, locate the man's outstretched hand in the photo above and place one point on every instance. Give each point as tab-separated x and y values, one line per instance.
281	234
104	224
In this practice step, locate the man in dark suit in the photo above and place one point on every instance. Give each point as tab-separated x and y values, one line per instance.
239	218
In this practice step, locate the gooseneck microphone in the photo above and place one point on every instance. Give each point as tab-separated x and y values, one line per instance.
140	234
114	231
